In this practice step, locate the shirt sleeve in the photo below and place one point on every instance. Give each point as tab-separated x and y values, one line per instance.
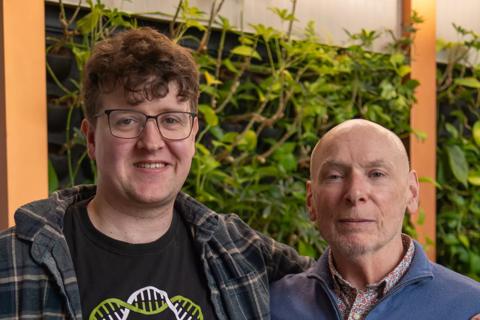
282	259
277	258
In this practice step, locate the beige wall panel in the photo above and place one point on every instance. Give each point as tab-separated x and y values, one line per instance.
331	17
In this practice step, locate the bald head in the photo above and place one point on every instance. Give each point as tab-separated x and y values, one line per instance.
360	189
360	133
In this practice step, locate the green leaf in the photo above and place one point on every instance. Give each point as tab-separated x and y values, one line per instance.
229	65
420	135
452	130
430	180
288	162
474	178
195	24
397	58
283	14
246	40
225	23
306	249
209	114
476	132
246	51
229	137
468	82
458	163
464	240
201	149
440	44
421	216
248	141
388	90
52	178
211	78
404	70
89	21
475	263
285	148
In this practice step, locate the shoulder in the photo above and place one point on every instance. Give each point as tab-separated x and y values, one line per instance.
451	282
227	229
300	296
235	226
9	241
13	249
292	282
429	281
232	232
7	237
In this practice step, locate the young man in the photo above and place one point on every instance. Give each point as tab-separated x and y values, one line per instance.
134	246
361	186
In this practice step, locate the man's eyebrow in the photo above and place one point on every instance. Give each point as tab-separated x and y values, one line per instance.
342	165
379	163
333	163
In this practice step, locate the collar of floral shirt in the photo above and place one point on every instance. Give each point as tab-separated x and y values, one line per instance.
359	302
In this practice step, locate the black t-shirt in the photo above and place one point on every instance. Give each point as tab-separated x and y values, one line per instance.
163	279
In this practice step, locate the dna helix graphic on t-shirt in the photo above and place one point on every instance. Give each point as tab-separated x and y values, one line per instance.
147	301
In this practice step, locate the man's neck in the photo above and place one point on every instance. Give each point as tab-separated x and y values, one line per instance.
129	224
369	268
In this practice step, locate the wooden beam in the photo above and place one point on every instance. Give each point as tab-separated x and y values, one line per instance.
424	116
23	119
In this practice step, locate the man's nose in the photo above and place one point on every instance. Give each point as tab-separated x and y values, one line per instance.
151	138
357	189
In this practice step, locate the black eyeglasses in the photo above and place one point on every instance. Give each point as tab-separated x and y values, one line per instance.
129	124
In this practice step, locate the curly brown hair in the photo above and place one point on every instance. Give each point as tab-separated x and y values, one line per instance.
143	61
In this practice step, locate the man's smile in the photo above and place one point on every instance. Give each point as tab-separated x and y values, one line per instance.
151	164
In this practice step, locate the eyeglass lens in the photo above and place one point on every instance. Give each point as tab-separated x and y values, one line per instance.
130	124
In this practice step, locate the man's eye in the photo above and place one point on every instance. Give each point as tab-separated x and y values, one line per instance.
334	176
125	122
377	174
170	120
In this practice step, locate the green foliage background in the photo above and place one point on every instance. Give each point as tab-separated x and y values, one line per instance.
458	176
266	101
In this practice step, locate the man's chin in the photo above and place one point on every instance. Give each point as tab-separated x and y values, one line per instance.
152	200
353	247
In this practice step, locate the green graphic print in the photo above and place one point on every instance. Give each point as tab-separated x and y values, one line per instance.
147	301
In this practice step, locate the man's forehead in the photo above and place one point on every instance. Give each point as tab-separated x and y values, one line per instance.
130	98
362	141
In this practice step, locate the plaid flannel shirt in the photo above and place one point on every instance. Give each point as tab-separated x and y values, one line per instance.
37	276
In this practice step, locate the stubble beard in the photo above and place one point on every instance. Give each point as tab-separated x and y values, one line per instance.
354	249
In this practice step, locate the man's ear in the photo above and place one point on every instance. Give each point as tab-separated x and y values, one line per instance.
413	192
88	131
311	209
195	126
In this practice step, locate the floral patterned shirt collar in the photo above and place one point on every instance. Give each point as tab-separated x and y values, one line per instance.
354	304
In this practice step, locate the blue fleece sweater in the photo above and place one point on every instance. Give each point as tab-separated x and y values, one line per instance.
426	291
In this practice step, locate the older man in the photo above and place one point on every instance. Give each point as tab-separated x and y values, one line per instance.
360	188
134	246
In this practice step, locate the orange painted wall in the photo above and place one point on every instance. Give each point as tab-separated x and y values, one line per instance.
423	115
23	132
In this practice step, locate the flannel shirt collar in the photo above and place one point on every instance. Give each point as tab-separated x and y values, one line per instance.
202	220
48	214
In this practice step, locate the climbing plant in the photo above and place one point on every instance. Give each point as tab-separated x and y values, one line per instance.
458	153
266	98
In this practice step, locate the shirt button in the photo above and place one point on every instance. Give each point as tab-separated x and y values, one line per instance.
356	316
